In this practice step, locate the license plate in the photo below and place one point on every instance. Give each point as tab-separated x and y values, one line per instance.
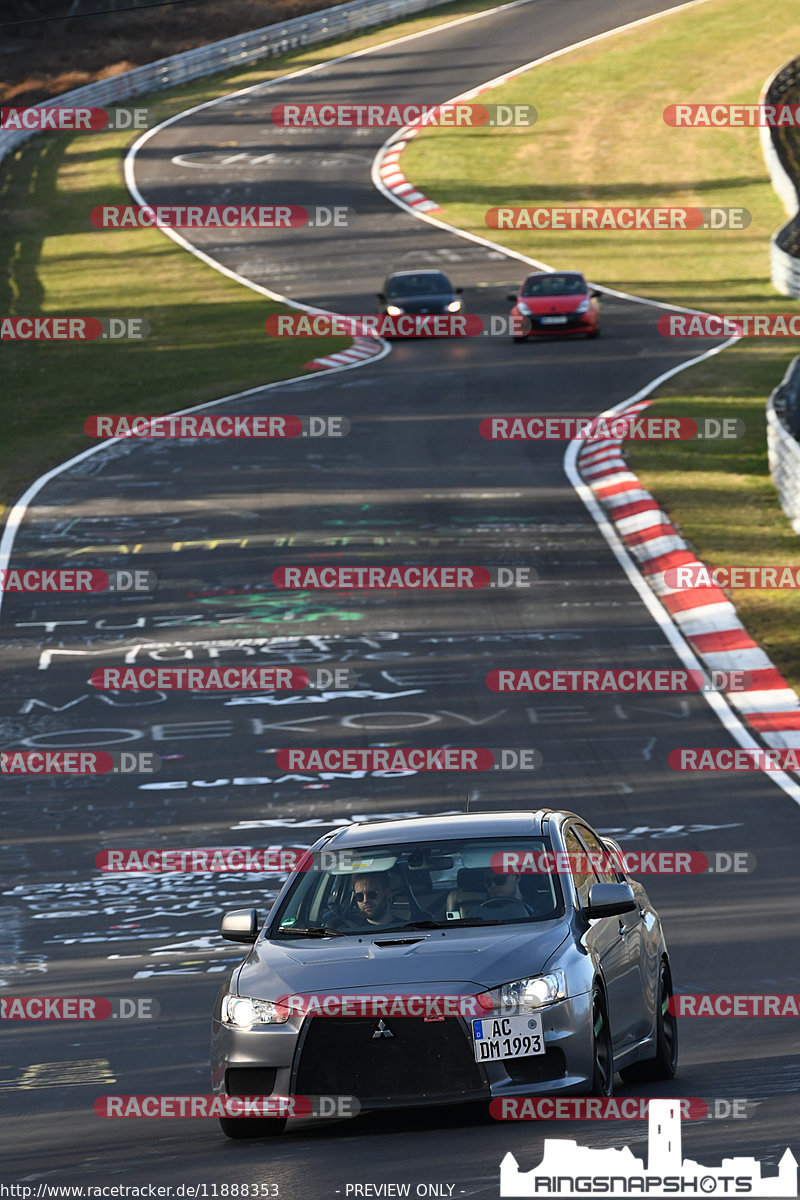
495	1038
554	320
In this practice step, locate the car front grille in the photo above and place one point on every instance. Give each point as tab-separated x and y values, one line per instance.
421	1060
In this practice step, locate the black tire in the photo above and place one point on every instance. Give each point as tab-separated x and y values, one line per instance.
664	1063
519	340
594	334
252	1127
603	1051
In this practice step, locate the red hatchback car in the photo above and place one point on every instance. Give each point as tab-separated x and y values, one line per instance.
555	302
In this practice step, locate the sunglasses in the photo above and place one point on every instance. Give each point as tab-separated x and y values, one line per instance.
370	895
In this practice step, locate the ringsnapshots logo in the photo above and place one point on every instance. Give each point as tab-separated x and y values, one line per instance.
617	219
45	118
216	425
403	578
568	1169
461	115
627	679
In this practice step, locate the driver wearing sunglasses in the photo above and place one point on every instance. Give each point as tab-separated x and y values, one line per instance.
373	895
503	887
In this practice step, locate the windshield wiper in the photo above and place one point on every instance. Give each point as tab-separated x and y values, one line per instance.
310	931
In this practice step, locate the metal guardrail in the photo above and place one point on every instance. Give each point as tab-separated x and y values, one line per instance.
783	426
782	156
238	51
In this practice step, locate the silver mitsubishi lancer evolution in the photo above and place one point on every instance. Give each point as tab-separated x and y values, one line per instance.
443	960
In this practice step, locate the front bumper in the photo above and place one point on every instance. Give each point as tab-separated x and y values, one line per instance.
429	1063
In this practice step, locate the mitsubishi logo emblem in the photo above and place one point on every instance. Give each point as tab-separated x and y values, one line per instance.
382	1030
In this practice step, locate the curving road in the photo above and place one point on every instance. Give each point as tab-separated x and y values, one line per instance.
412	482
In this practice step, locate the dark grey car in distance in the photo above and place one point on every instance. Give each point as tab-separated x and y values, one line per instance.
576	955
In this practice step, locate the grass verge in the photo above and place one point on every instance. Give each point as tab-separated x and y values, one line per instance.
601	139
207	336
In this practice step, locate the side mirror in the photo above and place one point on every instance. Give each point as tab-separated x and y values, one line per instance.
511	296
241	925
380	295
458	291
609	900
596	295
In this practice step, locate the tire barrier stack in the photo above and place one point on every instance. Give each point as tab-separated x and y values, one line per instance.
781	149
783	428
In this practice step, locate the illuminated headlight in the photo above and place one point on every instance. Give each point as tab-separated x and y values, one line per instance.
394	310
245	1011
529	995
582	307
523	308
454	306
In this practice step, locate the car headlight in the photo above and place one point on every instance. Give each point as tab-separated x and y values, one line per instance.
523	308
246	1011
394	310
454	306
582	307
529	995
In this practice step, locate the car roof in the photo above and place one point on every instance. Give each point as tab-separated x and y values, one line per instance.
543	274
418	271
484	824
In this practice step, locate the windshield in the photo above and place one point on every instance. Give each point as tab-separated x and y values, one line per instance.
554	285
421	885
419	285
